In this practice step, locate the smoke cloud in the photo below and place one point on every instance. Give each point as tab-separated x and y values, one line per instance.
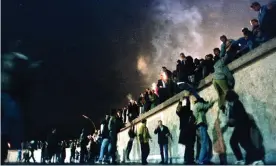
191	27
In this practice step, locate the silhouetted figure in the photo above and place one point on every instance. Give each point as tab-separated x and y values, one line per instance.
83	149
73	151
132	135
105	138
114	128
133	110
32	147
62	152
239	119
187	130
43	151
52	145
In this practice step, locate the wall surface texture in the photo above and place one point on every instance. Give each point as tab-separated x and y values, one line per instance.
255	75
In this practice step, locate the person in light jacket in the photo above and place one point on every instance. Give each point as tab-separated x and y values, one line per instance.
144	138
200	109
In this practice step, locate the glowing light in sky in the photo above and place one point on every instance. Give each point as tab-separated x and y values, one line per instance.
142	65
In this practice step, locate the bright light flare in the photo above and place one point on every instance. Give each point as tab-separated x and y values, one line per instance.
129	97
164	76
153	86
142	65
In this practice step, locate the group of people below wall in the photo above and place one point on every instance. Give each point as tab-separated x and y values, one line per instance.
193	130
189	71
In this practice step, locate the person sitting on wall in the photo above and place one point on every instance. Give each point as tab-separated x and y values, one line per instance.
228	49
266	18
246	43
257	33
187	130
163	134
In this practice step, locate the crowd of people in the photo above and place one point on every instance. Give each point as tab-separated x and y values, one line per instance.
187	75
101	147
189	72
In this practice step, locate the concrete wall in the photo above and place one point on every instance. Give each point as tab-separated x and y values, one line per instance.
255	75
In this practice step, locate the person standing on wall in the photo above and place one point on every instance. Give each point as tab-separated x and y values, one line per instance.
132	135
200	109
163	134
187	129
144	138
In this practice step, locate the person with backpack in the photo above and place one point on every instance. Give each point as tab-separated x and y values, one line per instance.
187	130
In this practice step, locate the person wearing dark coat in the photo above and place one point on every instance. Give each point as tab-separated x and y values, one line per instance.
83	143
133	110
113	129
163	134
132	135
242	124
187	130
62	152
168	72
147	100
73	151
52	145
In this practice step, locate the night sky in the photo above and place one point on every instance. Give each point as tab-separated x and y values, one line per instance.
84	46
90	50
